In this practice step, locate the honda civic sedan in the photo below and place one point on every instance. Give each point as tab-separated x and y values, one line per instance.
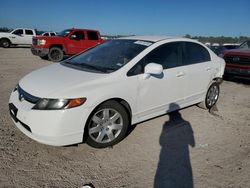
96	95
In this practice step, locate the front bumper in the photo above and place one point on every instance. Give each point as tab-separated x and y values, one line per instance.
51	127
237	71
42	52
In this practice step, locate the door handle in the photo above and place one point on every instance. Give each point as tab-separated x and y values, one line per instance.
180	74
208	68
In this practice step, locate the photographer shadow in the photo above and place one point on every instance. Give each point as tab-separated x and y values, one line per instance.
174	167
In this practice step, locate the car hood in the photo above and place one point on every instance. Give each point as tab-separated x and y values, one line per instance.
57	80
3	34
239	52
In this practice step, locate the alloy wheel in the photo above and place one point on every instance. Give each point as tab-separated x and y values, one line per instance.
106	125
212	95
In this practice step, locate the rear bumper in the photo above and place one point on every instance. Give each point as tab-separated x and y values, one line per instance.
42	52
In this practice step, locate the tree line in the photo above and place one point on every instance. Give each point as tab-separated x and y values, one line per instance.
219	39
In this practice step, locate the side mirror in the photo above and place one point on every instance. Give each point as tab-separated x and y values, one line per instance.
152	69
73	37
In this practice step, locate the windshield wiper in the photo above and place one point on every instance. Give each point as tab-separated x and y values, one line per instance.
101	69
87	66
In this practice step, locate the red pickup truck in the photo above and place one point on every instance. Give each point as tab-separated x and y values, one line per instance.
67	42
238	61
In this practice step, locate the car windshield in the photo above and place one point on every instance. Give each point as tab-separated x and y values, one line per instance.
245	45
107	57
64	33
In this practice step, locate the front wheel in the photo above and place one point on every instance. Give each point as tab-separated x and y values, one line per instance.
55	54
5	43
212	96
107	125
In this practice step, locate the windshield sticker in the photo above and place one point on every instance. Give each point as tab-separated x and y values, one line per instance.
143	43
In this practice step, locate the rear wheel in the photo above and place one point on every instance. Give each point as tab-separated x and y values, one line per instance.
212	96
55	54
5	43
107	125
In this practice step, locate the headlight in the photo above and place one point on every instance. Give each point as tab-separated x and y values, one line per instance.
41	42
57	104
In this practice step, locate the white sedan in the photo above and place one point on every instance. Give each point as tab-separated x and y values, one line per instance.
96	95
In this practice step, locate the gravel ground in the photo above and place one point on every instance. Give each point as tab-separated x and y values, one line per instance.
189	148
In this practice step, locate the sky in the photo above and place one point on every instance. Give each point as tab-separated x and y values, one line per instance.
139	17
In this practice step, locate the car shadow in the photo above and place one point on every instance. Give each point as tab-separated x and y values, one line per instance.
174	166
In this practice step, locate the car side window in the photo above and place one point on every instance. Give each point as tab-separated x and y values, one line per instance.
195	53
92	35
46	34
28	32
168	55
79	35
52	34
18	32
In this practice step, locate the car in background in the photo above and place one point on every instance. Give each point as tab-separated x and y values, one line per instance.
68	42
238	61
18	36
98	94
49	34
220	50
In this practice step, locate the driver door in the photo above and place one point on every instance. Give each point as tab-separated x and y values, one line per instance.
17	36
157	92
76	42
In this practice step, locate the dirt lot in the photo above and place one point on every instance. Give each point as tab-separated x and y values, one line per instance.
192	148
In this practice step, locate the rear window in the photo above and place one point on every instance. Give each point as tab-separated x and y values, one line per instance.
195	53
28	32
92	35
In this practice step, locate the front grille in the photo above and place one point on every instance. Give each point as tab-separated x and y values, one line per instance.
34	41
26	96
243	60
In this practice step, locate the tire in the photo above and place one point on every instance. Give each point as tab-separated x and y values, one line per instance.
212	96
55	54
5	43
102	131
44	57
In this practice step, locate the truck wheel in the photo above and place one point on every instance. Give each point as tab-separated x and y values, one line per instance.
55	54
5	43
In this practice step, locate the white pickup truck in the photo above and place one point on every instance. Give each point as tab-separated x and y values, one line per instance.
19	36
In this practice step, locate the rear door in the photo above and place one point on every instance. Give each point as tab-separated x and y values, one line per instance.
93	39
76	42
199	68
28	34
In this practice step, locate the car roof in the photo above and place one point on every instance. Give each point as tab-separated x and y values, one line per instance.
149	38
